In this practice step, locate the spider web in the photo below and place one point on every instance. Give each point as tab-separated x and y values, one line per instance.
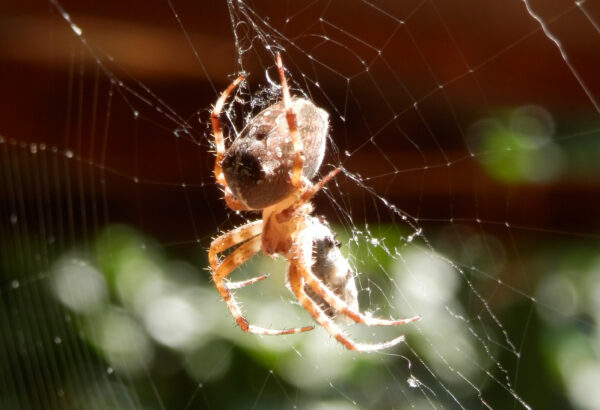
467	138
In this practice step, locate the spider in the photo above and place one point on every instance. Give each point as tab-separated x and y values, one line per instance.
269	168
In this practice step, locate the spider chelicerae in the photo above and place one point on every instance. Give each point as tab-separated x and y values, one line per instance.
268	168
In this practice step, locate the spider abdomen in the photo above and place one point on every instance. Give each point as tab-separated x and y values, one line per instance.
258	164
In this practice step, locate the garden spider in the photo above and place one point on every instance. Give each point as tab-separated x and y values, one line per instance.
268	167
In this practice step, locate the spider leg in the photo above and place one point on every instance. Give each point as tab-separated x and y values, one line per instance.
296	285
241	284
313	189
232	261
232	238
290	116
230	200
340	306
303	266
308	193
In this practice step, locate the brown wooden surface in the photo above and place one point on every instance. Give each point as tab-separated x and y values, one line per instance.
514	64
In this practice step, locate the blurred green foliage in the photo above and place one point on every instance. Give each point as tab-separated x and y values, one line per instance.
123	324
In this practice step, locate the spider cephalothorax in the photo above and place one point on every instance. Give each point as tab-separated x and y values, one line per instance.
268	167
330	267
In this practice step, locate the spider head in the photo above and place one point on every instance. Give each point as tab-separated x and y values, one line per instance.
258	164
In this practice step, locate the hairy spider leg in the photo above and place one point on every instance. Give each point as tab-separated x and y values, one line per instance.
230	200
296	285
232	238
290	116
242	283
340	306
300	273
305	196
218	132
232	261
